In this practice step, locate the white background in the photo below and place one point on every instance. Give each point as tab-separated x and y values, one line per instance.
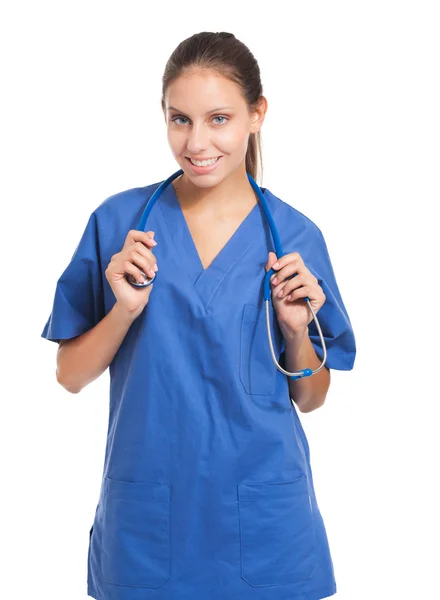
351	139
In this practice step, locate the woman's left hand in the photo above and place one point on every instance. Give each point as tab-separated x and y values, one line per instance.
293	313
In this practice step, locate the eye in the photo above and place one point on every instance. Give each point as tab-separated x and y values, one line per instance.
216	117
221	117
175	118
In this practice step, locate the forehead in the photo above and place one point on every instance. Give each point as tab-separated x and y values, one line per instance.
202	91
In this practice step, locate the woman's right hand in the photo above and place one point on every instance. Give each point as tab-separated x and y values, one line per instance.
134	257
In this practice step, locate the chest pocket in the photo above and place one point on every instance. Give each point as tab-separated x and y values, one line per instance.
257	370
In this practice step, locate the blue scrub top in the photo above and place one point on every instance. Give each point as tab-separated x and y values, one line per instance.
207	490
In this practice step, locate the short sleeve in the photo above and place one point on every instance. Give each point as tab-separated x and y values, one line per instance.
78	303
332	316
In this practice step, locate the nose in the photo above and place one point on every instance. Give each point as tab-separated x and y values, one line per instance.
198	139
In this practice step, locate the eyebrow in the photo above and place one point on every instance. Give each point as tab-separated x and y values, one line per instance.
209	111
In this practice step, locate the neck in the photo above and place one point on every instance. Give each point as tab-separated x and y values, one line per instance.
233	192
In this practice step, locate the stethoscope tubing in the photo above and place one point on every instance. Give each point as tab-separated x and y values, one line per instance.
266	287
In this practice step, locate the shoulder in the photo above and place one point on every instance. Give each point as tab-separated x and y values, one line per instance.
125	202
292	220
115	216
120	212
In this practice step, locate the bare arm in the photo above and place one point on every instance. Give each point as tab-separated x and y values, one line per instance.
308	393
83	359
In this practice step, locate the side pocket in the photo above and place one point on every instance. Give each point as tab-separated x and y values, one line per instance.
257	369
136	533
277	532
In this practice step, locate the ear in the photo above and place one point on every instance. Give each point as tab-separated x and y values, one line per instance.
259	114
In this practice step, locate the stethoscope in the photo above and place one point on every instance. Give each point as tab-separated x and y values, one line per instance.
267	292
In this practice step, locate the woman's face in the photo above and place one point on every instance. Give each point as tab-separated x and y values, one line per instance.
207	117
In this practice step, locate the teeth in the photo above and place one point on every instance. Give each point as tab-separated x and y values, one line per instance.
204	163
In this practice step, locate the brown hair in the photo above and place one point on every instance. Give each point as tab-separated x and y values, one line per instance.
223	53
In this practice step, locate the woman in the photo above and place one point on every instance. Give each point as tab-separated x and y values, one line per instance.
207	489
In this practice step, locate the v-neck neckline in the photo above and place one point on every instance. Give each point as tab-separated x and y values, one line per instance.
206	280
191	237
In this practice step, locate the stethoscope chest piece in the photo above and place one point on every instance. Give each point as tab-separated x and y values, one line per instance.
133	282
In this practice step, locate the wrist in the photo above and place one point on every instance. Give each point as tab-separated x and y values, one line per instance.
123	314
294	336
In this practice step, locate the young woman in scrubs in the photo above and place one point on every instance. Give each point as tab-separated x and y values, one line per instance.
207	490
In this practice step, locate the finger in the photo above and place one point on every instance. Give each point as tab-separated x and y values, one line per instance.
145	263
287	258
295	282
149	242
277	289
138	274
150	238
289	271
135	235
302	292
143	250
270	261
142	257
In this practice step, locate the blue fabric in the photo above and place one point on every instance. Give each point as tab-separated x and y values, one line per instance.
207	490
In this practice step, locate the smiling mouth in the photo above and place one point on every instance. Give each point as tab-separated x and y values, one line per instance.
210	161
